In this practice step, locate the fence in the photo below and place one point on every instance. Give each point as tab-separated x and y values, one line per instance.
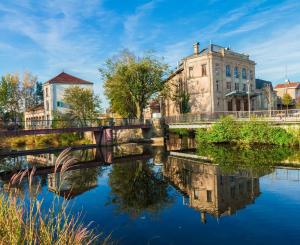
292	115
52	124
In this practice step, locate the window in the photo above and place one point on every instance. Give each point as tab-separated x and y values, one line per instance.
191	72
203	70
236	86
60	104
244	74
236	72
47	105
196	194
217	85
218	101
251	75
47	92
228	86
228	72
208	196
244	87
217	70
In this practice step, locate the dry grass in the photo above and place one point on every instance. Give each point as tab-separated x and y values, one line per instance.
44	140
20	224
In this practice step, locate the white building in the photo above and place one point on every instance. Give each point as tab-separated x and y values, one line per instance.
53	91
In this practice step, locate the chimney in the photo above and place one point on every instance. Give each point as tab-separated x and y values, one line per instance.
196	48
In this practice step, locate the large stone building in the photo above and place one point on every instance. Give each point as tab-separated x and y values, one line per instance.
213	79
53	91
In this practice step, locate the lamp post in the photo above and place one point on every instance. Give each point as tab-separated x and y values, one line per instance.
249	106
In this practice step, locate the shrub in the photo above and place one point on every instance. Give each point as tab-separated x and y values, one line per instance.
253	132
224	131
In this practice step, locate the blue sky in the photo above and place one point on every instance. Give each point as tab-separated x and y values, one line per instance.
46	37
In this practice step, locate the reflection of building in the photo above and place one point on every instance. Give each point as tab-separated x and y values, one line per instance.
209	190
73	182
53	91
211	79
44	159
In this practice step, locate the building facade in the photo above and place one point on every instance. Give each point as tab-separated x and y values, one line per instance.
210	80
288	87
53	91
266	98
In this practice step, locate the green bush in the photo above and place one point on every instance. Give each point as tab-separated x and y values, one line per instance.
226	130
179	131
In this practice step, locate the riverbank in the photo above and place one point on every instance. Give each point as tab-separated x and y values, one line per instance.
65	139
229	131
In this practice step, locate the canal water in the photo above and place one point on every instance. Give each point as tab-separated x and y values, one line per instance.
142	194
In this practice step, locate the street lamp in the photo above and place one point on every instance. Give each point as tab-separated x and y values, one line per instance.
249	106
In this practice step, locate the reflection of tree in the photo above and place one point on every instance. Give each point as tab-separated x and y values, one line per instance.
258	160
135	188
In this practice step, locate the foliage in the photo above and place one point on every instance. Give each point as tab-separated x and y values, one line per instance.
135	189
83	104
253	132
180	131
224	131
259	160
10	96
26	222
286	100
131	81
17	95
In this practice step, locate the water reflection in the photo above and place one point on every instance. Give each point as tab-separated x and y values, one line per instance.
136	188
207	189
74	182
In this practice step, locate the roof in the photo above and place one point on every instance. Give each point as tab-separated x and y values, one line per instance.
259	83
66	78
288	85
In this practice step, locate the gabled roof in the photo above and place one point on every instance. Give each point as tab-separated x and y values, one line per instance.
288	85
65	78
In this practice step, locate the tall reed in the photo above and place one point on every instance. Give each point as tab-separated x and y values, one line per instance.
28	222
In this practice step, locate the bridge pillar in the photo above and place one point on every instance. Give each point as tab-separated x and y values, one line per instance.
104	154
147	133
103	137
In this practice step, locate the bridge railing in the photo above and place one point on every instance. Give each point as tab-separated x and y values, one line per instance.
55	124
264	115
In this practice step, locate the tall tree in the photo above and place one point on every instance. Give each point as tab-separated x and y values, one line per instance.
29	84
286	100
10	96
131	81
83	104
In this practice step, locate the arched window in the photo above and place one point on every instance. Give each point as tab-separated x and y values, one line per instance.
236	72
244	73
228	72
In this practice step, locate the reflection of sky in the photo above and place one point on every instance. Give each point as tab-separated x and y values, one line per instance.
272	219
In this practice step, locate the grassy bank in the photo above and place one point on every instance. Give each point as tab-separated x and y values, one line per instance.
65	139
24	219
227	130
